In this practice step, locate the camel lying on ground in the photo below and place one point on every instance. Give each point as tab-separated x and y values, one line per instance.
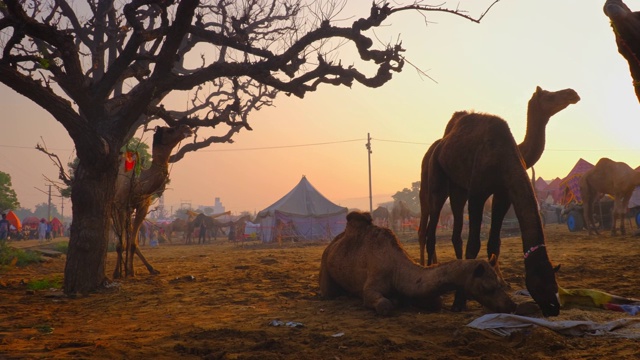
479	157
613	178
368	261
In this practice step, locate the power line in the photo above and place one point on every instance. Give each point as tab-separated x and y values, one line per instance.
338	142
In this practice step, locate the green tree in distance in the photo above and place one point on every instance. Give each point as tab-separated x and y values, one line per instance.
8	197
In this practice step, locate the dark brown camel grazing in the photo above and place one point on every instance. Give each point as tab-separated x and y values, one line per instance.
381	216
613	178
542	106
134	194
479	157
368	261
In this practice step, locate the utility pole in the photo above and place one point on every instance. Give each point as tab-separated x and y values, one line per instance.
369	155
49	207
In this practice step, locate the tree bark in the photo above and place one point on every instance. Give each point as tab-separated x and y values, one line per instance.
92	196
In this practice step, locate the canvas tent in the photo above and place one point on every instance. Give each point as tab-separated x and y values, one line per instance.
570	185
302	214
14	220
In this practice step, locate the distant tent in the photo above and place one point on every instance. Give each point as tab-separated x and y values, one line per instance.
570	185
302	214
634	201
56	226
554	190
14	220
30	222
540	186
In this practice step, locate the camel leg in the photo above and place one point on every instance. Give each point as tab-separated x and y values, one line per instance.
329	288
424	218
476	208
438	192
149	267
373	298
476	205
457	200
117	272
499	209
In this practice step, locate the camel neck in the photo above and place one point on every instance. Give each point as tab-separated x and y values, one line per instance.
418	281
525	205
533	144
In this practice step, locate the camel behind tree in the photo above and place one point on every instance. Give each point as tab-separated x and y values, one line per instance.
368	261
134	194
479	157
381	216
613	178
541	107
211	223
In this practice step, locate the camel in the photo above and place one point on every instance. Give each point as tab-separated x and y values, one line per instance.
608	177
134	194
479	157
626	29
381	216
399	214
368	261
210	222
541	107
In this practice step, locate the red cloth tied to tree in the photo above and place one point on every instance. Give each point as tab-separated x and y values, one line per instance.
130	159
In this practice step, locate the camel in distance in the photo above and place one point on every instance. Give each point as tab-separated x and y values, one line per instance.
613	178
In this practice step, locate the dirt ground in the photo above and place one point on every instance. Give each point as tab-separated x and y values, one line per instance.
222	300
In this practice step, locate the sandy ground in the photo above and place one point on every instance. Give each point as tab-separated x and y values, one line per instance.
220	301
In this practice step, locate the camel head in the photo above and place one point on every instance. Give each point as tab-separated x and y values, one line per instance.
548	103
166	138
541	282
485	286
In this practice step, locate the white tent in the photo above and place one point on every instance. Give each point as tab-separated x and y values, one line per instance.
302	214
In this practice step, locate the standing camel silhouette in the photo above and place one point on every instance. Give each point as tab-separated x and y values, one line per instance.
479	157
608	177
541	107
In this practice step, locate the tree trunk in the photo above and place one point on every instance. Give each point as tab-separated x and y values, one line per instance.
92	195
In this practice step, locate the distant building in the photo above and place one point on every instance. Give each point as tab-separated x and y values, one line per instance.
218	208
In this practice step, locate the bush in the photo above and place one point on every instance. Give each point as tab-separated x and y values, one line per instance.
62	247
10	256
54	282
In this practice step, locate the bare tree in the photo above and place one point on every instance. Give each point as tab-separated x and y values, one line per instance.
105	70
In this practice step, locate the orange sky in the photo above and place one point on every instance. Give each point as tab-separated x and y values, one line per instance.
490	67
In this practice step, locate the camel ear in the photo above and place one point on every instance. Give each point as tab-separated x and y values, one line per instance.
493	260
538	89
479	271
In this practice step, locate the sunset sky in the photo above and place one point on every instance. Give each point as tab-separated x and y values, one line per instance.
491	67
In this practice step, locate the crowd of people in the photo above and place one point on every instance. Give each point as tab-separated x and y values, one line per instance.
43	231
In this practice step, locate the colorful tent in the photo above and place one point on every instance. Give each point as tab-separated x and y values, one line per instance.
302	214
30	222
570	185
56	226
13	219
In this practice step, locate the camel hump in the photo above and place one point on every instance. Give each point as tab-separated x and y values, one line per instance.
356	216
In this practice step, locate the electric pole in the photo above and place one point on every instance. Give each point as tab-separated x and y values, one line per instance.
49	207
369	155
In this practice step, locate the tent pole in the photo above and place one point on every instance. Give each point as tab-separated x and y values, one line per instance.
369	155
